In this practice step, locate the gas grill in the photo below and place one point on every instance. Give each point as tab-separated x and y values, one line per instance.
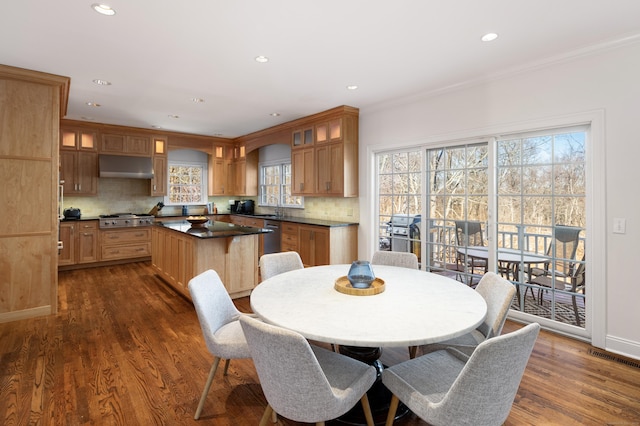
402	228
125	220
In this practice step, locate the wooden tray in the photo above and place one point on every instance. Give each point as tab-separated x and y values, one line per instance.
344	286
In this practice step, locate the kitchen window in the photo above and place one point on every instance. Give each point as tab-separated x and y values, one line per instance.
187	183
275	186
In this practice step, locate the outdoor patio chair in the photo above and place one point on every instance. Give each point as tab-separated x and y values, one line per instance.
574	284
469	233
563	250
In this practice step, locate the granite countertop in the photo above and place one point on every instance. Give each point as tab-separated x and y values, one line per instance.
212	229
302	220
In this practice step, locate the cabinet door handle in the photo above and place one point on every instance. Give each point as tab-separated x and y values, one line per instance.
155	188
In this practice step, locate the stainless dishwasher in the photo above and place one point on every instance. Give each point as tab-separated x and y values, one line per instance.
272	239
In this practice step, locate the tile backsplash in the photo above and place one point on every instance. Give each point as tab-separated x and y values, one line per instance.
132	196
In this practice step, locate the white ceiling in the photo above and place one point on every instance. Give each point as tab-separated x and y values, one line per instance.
160	54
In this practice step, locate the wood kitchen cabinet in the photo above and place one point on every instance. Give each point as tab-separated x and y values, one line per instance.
329	131
118	144
303	171
327	166
76	139
79	171
79	161
159	181
301	138
218	171
178	257
320	245
125	243
314	245
242	176
289	236
79	242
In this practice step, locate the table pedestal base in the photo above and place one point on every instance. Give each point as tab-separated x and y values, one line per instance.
379	396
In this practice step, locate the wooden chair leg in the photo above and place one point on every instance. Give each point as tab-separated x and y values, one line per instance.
393	407
412	351
367	409
266	416
319	423
207	385
226	366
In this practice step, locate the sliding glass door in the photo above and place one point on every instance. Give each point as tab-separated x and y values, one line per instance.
511	204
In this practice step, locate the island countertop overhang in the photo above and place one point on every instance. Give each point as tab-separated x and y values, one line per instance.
212	229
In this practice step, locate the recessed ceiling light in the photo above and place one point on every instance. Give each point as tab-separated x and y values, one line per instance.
101	82
275	114
197	100
173	116
87	118
93	104
489	37
352	87
103	9
262	59
155	126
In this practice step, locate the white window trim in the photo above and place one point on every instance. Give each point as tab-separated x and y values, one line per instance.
260	183
204	179
596	274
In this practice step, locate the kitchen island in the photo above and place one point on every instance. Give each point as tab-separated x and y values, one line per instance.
180	251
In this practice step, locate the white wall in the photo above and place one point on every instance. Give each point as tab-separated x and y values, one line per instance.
606	83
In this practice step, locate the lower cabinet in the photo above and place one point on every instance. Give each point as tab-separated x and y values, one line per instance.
127	243
177	257
79	243
321	245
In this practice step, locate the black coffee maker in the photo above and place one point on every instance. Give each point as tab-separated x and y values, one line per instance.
243	207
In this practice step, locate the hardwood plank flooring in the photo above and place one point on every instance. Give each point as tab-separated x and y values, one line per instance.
125	349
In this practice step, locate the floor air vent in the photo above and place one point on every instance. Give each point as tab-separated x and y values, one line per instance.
616	358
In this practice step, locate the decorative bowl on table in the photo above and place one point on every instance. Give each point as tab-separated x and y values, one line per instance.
197	220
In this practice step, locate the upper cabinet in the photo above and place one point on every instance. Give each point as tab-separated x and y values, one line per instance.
79	161
117	144
218	170
242	172
327	164
75	139
159	181
302	137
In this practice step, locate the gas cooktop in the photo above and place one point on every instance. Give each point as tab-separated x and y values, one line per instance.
124	220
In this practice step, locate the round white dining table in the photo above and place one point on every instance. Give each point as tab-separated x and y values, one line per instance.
415	308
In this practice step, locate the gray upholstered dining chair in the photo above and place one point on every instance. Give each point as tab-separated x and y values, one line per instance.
498	293
302	382
276	263
218	318
448	388
395	258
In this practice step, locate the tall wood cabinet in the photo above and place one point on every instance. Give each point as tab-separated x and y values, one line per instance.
79	161
31	104
324	157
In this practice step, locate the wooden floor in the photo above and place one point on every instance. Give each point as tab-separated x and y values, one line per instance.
124	349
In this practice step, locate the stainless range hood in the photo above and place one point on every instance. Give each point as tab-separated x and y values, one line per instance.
122	166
